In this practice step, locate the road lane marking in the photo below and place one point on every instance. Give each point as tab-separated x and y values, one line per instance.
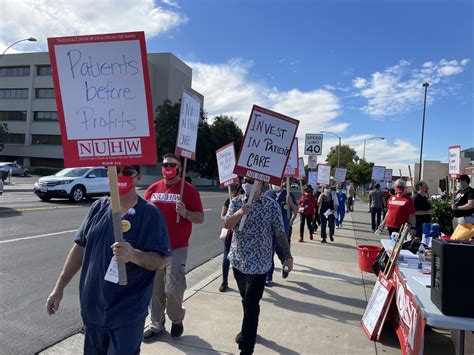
44	208
37	236
207	209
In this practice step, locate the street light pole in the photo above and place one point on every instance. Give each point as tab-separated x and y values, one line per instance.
365	141
338	147
30	39
425	85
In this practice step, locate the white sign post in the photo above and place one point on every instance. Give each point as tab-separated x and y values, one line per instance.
225	165
378	173
312	161
340	175
313	144
313	179
301	172
388	175
291	169
324	174
454	153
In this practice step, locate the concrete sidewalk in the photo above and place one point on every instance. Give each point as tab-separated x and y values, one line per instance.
316	310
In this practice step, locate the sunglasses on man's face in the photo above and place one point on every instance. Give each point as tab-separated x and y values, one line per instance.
170	165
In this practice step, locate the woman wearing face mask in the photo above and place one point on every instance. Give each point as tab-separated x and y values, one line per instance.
463	202
325	203
400	210
341	208
307	206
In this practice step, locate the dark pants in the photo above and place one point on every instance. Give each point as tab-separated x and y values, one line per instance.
251	290
350	204
375	212
324	222
308	220
116	341
279	252
225	265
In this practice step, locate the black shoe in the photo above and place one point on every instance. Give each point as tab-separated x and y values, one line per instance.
177	330
332	238
238	338
269	283
223	288
323	241
151	335
284	273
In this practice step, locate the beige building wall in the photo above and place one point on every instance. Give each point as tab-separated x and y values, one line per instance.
432	172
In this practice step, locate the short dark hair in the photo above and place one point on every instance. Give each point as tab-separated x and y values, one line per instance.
419	185
465	178
172	156
377	185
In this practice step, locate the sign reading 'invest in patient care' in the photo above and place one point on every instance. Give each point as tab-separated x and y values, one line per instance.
103	97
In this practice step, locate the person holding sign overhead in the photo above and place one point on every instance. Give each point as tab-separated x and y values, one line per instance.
251	253
113	314
170	283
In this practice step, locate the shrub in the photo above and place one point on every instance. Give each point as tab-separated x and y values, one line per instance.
443	215
43	170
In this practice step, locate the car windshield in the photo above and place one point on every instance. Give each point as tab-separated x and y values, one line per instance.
4	164
72	172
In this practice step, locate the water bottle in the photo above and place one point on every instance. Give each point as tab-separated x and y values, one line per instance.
378	231
426	236
434	230
421	256
394	237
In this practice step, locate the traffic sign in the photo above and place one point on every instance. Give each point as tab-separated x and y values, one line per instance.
313	144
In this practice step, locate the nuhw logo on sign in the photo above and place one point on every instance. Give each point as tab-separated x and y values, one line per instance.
109	147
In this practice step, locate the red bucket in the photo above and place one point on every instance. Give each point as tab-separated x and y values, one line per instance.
367	255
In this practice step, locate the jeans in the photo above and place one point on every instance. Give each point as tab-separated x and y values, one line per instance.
341	213
309	221
375	212
251	290
324	222
117	341
225	265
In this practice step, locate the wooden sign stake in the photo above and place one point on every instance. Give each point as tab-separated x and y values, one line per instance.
288	209
181	192
230	192
117	220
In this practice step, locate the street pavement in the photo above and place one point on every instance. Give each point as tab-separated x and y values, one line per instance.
35	237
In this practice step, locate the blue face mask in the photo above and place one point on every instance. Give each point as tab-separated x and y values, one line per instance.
276	188
459	185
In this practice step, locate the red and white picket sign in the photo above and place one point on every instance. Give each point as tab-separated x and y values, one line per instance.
103	97
225	165
324	174
188	125
291	169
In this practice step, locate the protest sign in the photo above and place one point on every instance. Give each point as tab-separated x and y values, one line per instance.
103	98
301	172
313	179
324	174
291	169
312	161
378	173
388	175
340	175
454	159
266	145
225	165
188	125
313	144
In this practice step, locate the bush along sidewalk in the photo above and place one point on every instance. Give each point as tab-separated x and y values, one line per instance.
443	215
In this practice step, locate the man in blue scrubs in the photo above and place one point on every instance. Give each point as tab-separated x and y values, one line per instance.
114	315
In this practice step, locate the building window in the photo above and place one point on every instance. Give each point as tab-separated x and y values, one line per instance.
12	115
45	139
44	93
47	162
46	116
14	138
13	93
43	70
14	71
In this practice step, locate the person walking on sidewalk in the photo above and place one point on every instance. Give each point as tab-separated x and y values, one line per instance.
251	253
341	207
279	194
400	210
351	192
114	315
376	205
170	283
307	206
326	214
228	239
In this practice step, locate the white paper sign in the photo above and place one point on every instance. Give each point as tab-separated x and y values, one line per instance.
388	175
102	90
225	164
301	172
340	174
312	161
324	174
313	144
454	161
291	169
112	271
378	173
188	125
266	146
313	179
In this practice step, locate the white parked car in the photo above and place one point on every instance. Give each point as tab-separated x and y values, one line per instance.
73	183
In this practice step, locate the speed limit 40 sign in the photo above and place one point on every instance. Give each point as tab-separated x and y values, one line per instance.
313	144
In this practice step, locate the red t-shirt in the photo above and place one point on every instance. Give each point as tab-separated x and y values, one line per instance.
165	197
309	204
399	208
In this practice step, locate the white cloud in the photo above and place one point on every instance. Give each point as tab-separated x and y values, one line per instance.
398	89
171	3
48	18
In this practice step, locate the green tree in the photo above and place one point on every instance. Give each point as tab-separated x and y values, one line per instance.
359	173
166	127
347	156
3	135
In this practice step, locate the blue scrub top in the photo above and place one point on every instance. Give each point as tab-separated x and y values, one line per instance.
282	202
105	304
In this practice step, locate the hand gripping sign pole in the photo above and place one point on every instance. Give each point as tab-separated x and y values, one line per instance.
265	148
187	132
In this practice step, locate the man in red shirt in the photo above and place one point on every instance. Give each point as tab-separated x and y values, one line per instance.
401	210
170	284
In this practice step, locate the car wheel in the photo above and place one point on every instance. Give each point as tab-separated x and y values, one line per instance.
45	198
25	173
77	193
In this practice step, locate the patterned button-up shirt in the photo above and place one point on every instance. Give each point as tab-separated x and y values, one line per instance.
251	250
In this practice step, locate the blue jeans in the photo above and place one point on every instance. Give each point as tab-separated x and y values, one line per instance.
341	213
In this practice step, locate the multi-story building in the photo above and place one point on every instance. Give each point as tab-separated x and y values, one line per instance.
28	105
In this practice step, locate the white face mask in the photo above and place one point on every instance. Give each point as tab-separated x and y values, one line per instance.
276	188
459	185
247	188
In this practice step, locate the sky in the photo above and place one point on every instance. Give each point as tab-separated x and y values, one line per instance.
354	68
